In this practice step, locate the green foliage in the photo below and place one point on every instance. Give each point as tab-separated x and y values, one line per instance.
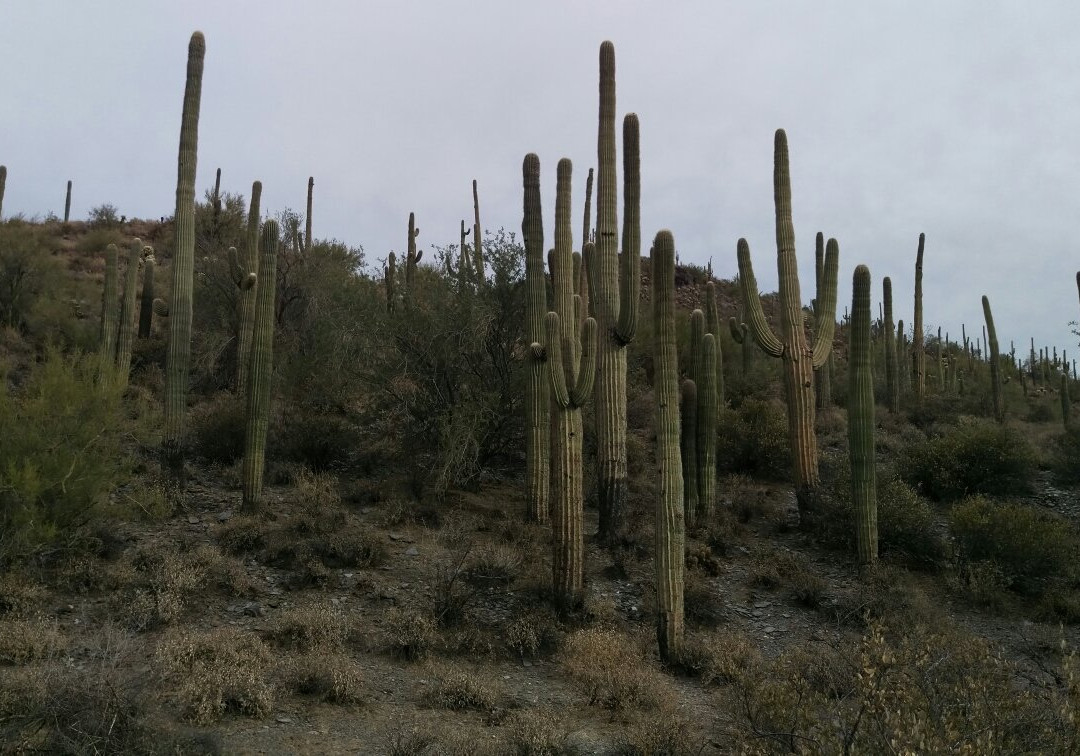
27	272
1028	546
62	453
104	216
1065	457
974	457
754	440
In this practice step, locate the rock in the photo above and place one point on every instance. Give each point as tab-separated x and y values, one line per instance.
770	629
193	520
396	537
412	551
284	720
224	516
252	609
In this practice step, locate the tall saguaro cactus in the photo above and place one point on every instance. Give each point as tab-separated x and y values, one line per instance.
688	451
412	257
262	363
918	348
538	389
798	357
178	356
712	325
861	421
146	302
892	383
740	334
708	381
67	203
571	367
615	295
3	185
478	252
307	220
126	337
245	274
823	374
390	279
995	362
107	335
670	525
583	282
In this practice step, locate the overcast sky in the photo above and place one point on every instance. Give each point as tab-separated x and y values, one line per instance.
956	119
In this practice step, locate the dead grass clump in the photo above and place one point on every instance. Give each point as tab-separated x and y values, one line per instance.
27	640
19	596
611	670
532	632
356	547
243	534
333	677
702	604
662	732
721	658
311	628
410	635
494	565
221	571
214	673
459	689
537	732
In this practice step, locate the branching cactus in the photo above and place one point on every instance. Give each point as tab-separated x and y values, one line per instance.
797	355
3	185
572	370
146	301
109	300
688	451
538	388
670	525
712	325
995	362
615	294
892	383
126	336
861	421
478	251
823	374
178	357
412	257
245	274
918	348
707	414
260	372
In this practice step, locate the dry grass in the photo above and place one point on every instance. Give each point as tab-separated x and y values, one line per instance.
610	668
26	640
458	688
410	635
537	732
331	676
312	628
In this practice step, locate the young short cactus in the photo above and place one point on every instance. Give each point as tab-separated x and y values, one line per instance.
538	389
245	274
670	525
67	203
571	370
615	294
178	357
259	374
892	383
797	356
126	336
107	335
918	354
146	302
995	363
464	264
861	421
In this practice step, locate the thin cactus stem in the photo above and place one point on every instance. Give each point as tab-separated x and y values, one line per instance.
67	203
712	325
861	421
3	185
583	282
707	415
307	220
892	383
918	349
688	451
478	245
823	374
146	302
1066	404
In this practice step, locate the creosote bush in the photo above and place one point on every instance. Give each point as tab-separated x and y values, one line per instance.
754	440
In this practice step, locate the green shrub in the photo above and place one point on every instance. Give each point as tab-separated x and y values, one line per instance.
972	458
754	440
29	274
1029	546
217	429
1065	457
61	453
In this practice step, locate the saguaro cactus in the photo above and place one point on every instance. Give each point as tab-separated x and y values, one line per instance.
390	277
823	374
861	421
478	251
245	274
67	203
412	257
146	302
571	368
109	299
538	388
903	375
615	295
688	451
126	337
917	346
712	325
1066	403
707	414
3	184
307	220
995	363
262	363
740	334
892	384
178	357
670	526
583	282
797	356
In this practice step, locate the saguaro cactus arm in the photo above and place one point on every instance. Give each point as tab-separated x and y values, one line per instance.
630	260
825	311
759	328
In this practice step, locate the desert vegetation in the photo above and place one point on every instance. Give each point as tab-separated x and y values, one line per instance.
259	492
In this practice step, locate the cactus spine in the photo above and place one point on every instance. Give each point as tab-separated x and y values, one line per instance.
615	295
67	203
707	413
918	351
797	356
3	184
823	374
478	252
995	363
537	390
861	421
146	309
571	367
712	325
245	274
178	356
259	374
670	526
126	336
307	221
109	300
688	451
892	383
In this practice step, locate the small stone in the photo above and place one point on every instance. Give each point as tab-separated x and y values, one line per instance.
770	629
762	604
223	516
412	551
193	520
396	537
284	720
274	603
526	663
252	609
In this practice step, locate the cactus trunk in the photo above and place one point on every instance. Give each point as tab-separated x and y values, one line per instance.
892	383
246	277
146	302
1066	404
126	337
918	350
712	325
67	203
707	414
995	363
861	421
537	390
107	336
583	281
670	525
823	374
261	370
688	451
3	185
307	220
478	251
178	357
